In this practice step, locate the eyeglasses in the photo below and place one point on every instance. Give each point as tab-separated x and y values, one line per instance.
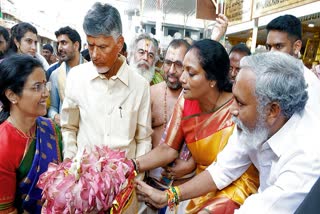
40	87
177	64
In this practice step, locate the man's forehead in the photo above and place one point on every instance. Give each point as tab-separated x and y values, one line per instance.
177	53
100	40
63	37
276	36
244	85
146	45
246	76
237	55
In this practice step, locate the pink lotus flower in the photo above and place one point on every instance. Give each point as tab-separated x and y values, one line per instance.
87	184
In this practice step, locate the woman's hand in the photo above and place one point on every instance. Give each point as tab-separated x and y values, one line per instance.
179	169
151	195
219	28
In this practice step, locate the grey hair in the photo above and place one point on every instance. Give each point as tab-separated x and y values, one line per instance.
279	78
147	37
102	19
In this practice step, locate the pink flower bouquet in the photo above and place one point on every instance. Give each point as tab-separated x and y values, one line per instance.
89	183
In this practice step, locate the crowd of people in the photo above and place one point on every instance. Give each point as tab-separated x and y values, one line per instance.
207	131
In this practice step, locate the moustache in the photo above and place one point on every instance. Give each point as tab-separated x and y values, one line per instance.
172	75
139	63
239	124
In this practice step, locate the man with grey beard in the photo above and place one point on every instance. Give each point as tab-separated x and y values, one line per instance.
274	131
143	58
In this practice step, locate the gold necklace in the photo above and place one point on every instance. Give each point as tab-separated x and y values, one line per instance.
29	135
165	108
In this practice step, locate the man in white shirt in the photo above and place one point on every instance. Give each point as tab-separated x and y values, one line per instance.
105	102
274	131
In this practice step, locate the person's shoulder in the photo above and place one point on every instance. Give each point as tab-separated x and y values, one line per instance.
53	75
42	60
49	124
45	120
54	66
303	130
51	69
8	135
80	70
3	128
311	77
158	87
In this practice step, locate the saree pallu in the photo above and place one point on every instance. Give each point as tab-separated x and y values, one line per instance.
206	134
46	148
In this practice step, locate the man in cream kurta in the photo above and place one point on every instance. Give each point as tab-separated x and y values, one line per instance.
106	103
100	111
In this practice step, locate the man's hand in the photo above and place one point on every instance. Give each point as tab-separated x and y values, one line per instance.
219	28
151	195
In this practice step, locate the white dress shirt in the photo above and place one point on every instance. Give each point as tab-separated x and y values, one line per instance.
313	89
100	111
288	163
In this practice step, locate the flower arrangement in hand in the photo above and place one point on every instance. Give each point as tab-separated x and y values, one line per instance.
89	183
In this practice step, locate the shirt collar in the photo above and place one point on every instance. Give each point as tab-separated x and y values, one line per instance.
280	142
122	73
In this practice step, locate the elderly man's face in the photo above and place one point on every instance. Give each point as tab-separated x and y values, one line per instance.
144	55
251	124
104	51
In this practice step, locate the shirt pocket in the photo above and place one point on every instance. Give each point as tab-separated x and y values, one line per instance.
124	123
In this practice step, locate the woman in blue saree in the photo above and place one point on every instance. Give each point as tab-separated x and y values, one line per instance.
29	142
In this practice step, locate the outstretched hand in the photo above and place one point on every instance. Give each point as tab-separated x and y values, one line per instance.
151	195
220	27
